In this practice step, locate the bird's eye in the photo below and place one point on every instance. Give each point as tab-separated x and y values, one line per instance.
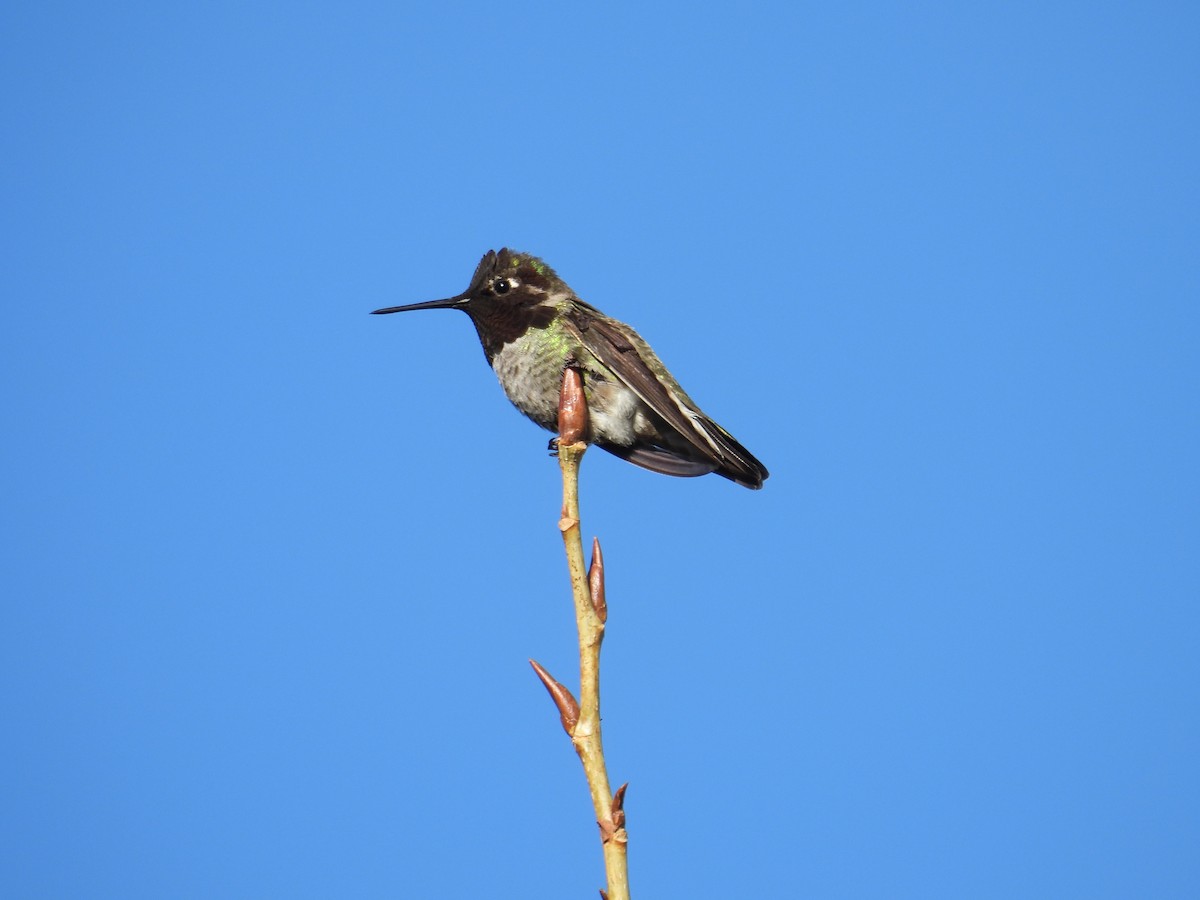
501	286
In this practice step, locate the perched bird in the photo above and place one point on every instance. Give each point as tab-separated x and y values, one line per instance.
532	326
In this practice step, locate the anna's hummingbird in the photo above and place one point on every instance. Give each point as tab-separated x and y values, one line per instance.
532	326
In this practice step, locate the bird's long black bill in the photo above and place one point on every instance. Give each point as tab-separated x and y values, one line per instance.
448	303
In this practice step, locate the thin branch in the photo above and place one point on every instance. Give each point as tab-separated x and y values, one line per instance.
591	610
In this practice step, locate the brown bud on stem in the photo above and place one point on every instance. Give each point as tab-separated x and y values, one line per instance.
618	806
568	706
572	408
596	582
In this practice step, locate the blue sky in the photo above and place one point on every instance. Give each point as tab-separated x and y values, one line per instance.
272	567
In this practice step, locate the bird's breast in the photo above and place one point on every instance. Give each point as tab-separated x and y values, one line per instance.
530	371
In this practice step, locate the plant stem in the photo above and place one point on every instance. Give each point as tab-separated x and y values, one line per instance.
586	733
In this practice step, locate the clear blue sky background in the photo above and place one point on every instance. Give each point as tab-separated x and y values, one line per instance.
272	567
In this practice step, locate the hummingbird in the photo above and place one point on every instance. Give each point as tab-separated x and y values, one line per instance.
533	326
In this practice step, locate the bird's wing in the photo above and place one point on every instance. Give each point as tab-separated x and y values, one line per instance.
626	358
